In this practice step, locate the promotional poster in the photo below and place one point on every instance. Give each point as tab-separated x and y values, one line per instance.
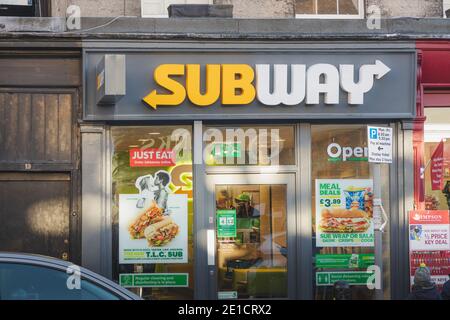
429	233
344	213
153	224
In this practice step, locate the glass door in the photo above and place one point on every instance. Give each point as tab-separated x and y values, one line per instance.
254	235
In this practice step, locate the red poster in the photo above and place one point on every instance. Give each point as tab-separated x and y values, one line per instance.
429	243
152	157
437	167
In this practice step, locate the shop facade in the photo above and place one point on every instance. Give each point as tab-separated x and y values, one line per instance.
432	155
432	123
221	170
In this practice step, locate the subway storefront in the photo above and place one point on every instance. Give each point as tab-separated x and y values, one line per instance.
242	170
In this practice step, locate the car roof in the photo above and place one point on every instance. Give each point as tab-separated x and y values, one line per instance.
36	259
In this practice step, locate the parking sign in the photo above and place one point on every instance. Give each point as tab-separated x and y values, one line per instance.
379	141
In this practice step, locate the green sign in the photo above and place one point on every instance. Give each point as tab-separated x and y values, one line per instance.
344	261
226	223
154	280
352	277
227	150
227	295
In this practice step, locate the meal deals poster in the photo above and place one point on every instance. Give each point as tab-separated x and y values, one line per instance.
429	243
135	248
344	213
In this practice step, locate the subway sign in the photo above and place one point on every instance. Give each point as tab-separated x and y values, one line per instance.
286	83
241	84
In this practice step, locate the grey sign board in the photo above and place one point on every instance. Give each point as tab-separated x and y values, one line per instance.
390	97
110	79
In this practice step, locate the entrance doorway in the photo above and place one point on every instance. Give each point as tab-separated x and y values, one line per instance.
254	253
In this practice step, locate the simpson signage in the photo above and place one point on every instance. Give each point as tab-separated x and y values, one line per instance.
429	243
211	85
429	230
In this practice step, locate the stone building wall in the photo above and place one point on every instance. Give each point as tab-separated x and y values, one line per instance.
249	8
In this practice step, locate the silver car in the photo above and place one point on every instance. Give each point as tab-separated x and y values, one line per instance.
34	277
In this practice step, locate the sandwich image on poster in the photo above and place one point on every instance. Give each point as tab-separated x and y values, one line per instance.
153	230
344	213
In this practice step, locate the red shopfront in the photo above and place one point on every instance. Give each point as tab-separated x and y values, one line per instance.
432	124
431	141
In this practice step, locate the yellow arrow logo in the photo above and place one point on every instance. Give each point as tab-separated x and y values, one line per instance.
155	100
161	75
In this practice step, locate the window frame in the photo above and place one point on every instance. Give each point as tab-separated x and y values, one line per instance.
360	14
167	14
445	7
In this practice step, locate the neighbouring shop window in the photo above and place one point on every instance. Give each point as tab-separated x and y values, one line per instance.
251	241
329	8
152	210
158	8
249	145
437	159
342	215
446	7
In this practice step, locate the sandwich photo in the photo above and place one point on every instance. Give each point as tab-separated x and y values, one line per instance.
344	220
149	216
162	232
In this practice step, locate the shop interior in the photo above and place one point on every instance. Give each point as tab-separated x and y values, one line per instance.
254	263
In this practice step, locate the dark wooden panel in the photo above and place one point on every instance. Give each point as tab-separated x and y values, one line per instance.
24	176
38	127
2	125
51	126
24	127
34	215
40	72
11	122
65	126
36	166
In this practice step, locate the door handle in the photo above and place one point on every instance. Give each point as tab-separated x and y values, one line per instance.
211	247
65	256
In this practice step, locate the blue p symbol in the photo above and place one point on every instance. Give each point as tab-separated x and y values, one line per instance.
373	133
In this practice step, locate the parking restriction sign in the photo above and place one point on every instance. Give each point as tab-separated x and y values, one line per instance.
379	144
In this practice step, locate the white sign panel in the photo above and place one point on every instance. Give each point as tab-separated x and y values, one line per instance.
380	144
16	2
150	233
429	237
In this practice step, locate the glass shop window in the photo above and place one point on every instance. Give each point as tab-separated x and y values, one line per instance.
329	9
152	210
342	212
437	159
249	145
